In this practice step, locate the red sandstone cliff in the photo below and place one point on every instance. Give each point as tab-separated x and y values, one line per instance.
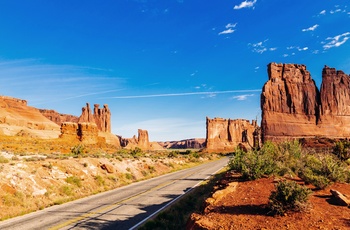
101	117
225	135
58	118
293	107
16	116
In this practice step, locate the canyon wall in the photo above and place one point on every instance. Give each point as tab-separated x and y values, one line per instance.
225	135
293	107
141	141
58	118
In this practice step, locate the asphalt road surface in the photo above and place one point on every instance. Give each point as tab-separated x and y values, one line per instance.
123	208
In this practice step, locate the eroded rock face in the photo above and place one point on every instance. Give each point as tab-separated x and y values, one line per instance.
225	134
335	103
194	143
143	140
101	117
58	118
293	107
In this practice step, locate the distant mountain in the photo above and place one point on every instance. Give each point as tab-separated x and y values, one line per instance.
193	143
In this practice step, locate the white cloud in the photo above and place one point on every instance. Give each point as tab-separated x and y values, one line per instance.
242	97
312	28
336	41
245	4
228	31
230	25
323	12
260	47
211	94
303	49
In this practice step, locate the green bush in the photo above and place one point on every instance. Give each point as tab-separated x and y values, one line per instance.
78	150
254	164
322	169
342	150
289	196
74	180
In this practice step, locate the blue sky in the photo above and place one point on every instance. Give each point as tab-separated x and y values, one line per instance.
163	65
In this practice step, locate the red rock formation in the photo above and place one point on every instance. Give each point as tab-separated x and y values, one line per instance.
16	115
88	133
58	118
86	115
143	140
224	135
289	102
193	143
335	103
101	117
292	106
69	130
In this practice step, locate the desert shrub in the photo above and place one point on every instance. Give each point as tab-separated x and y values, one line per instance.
66	190
74	180
129	176
321	170
254	164
136	152
99	179
342	150
3	159
289	196
78	150
173	154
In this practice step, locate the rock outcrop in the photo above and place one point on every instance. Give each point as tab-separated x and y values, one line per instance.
293	107
101	117
16	115
58	118
335	103
193	143
141	141
225	135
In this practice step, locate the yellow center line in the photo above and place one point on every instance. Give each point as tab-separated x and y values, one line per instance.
90	214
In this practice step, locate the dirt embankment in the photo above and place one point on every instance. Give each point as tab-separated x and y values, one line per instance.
243	205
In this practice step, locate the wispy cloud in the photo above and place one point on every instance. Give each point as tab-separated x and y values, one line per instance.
229	29
312	28
323	12
336	41
260	47
186	94
40	83
245	4
243	97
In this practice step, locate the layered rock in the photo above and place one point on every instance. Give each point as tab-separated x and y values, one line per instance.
16	115
293	107
87	133
193	143
335	103
101	117
142	142
58	118
226	135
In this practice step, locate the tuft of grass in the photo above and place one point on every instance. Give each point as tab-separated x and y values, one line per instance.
3	159
74	180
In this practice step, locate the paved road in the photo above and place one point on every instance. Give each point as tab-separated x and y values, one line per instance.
122	208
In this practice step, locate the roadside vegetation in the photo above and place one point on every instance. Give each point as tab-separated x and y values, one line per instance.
30	181
288	160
